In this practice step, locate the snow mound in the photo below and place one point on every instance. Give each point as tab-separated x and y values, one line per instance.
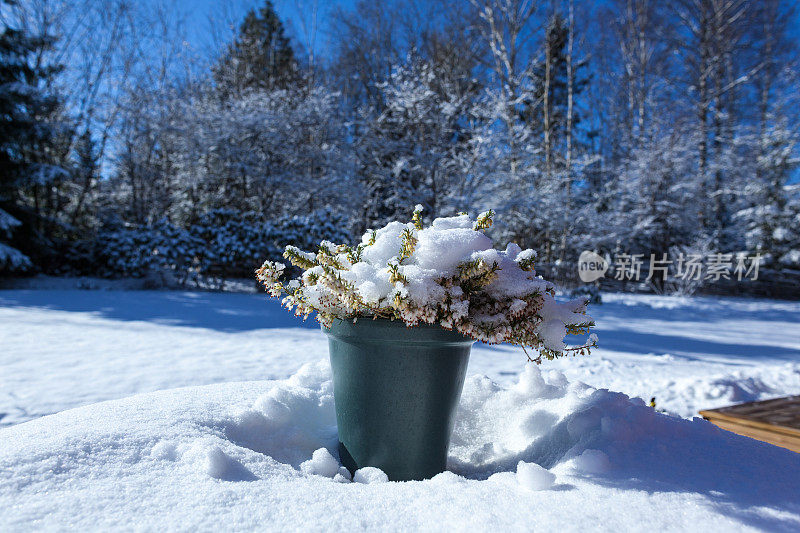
370	474
322	463
534	477
592	462
240	456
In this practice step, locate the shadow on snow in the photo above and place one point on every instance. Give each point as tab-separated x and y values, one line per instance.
227	312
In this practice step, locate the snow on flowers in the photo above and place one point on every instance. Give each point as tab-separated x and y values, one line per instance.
447	273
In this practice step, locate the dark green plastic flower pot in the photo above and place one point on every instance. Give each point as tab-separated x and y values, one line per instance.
396	391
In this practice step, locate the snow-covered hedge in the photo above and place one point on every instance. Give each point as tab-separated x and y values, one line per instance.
134	251
306	231
222	243
230	242
233	244
448	273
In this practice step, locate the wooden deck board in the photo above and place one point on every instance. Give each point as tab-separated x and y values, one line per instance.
774	421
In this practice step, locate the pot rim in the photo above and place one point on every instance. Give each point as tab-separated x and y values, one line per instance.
383	330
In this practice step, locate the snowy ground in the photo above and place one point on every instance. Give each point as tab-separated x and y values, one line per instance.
533	447
65	348
544	454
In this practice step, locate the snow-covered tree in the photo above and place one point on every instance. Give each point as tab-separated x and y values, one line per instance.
654	202
770	214
260	56
768	208
271	152
30	145
85	174
11	259
417	145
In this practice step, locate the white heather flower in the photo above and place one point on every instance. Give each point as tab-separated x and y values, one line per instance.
449	274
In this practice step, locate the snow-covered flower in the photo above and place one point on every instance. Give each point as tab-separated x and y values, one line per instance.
448	273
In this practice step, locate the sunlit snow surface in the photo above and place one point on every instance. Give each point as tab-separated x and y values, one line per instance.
63	349
542	454
533	447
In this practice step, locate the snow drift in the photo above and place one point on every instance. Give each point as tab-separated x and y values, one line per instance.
544	452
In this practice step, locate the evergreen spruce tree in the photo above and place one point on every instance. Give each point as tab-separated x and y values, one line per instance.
26	143
546	108
550	113
260	56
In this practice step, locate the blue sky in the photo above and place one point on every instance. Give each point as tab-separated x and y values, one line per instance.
296	15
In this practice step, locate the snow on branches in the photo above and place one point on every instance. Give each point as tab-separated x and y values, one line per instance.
447	273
